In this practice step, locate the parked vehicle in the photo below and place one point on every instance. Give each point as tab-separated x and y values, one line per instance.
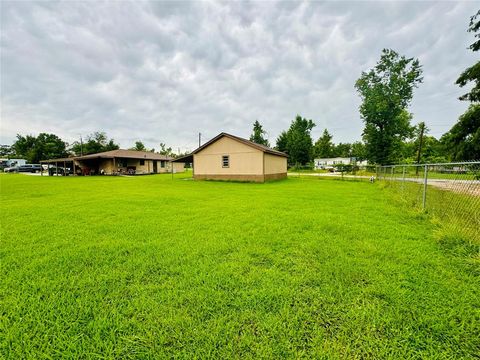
12	169
30	168
60	170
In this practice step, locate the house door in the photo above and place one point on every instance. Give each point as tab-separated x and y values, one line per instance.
155	166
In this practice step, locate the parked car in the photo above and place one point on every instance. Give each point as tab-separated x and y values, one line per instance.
30	168
61	171
11	169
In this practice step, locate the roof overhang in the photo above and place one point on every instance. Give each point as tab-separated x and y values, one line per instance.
184	159
70	159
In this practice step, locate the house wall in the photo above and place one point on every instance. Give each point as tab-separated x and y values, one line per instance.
178	167
146	168
275	164
246	163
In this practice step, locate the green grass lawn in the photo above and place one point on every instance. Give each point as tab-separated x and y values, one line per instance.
150	267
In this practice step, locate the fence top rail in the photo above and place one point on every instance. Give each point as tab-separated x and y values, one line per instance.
435	164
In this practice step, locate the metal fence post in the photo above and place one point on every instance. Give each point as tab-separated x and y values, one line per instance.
393	169
403	177
425	180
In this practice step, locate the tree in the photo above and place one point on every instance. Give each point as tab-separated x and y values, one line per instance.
297	141
342	150
6	150
257	135
324	146
463	140
282	142
44	146
359	151
386	91
139	146
473	72
96	142
165	151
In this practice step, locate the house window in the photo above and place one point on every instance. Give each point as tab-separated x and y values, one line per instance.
142	162
225	161
162	163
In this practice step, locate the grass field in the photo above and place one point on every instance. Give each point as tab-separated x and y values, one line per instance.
150	267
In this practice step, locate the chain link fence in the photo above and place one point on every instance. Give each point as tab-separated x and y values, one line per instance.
450	192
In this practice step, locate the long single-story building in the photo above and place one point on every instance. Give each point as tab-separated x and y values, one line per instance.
118	162
229	157
330	163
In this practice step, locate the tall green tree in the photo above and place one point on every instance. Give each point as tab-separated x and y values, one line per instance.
95	143
359	151
462	141
472	74
386	91
342	150
7	151
324	146
282	142
258	134
42	147
165	151
139	146
298	142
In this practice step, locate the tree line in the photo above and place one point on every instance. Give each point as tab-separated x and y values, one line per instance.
50	146
388	136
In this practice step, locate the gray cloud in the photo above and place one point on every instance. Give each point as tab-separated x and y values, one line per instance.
164	71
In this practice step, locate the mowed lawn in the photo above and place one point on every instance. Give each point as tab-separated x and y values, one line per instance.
150	267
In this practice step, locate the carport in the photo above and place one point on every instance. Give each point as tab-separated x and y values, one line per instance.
64	161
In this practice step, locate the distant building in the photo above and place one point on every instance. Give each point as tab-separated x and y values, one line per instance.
229	157
118	162
331	163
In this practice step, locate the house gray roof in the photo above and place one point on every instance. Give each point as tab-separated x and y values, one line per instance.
121	153
263	148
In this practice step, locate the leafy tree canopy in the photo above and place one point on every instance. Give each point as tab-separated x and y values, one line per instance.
165	151
324	147
297	141
95	143
282	142
258	134
44	146
386	91
472	74
463	139
139	146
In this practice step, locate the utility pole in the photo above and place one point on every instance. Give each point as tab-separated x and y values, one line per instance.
420	143
81	145
199	139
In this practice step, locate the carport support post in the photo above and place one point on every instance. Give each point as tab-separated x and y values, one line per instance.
64	168
56	168
74	172
425	180
113	171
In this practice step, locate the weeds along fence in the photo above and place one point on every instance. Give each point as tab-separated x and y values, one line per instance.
448	191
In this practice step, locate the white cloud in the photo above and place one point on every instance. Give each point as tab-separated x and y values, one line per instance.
164	71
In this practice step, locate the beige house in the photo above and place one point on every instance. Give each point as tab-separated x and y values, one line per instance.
228	157
118	162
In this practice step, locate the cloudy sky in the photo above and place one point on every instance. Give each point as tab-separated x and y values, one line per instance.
164	71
